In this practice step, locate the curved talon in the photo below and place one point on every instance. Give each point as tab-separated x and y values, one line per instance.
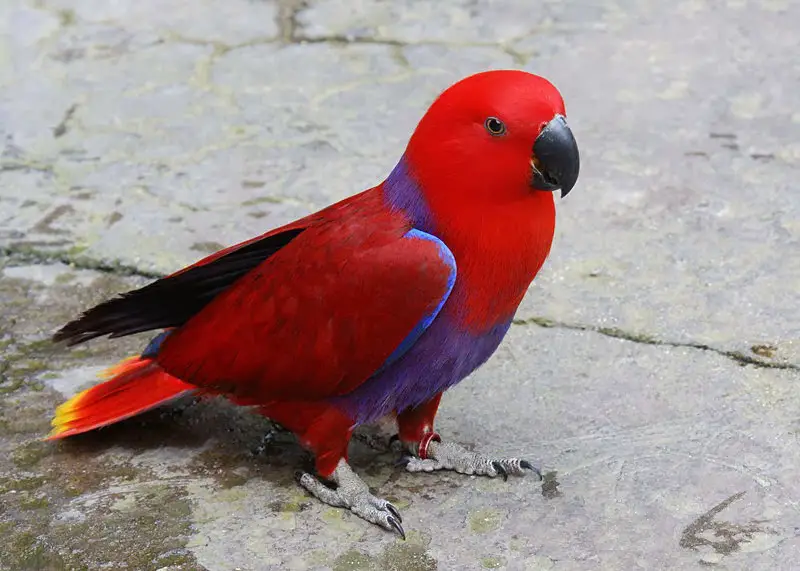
397	527
404	460
452	456
394	512
528	466
500	470
344	489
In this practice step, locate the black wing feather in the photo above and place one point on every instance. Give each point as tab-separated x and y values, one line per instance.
171	301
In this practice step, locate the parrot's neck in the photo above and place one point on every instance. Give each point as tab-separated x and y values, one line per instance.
498	249
403	193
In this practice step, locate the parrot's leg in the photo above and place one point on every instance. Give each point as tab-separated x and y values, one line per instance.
325	431
429	453
352	493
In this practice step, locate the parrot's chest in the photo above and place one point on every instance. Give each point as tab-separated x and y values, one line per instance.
443	356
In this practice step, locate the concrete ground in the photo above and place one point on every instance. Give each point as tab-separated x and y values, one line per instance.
654	368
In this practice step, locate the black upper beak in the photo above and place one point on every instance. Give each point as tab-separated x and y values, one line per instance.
555	161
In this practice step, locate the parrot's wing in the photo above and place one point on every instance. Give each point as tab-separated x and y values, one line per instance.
317	318
171	301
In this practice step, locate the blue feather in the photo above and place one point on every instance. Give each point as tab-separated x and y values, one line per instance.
446	256
154	346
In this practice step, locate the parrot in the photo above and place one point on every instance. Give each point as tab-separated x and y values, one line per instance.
368	310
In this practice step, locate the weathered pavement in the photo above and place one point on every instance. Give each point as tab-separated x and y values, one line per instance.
654	370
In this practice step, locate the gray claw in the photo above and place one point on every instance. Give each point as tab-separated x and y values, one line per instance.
500	470
397	527
451	456
528	466
395	512
352	493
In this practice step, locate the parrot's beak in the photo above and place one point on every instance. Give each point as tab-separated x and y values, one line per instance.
555	162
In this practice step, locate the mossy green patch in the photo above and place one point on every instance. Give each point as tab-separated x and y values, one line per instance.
27	415
65	278
225	469
56	498
66	17
253	183
767	351
484	521
180	560
207	247
292	506
24	550
81	479
29	454
263	200
355	560
318	558
550	486
400	556
407	556
35	503
25	361
21	484
10	384
492	562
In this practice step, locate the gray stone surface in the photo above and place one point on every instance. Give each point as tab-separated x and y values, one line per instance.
654	368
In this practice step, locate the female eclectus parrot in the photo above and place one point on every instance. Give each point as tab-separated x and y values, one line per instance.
371	307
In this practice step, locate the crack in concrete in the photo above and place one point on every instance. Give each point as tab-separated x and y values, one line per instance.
27	166
61	129
291	33
519	58
288	35
345	39
645	339
218	46
287	19
723	537
28	255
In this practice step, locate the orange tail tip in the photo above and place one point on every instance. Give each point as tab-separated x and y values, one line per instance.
134	385
123	366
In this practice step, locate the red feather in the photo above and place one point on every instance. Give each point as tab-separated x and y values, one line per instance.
136	385
320	316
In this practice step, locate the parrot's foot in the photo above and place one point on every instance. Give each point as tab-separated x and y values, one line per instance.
352	493
433	454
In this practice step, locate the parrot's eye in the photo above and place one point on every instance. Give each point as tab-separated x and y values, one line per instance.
495	126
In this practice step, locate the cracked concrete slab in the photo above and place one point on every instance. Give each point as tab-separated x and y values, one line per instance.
654	365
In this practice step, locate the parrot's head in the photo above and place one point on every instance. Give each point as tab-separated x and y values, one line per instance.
494	138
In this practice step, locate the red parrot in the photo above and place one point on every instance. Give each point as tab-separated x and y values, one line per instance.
371	307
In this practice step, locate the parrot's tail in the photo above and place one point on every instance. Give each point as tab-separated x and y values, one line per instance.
135	385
